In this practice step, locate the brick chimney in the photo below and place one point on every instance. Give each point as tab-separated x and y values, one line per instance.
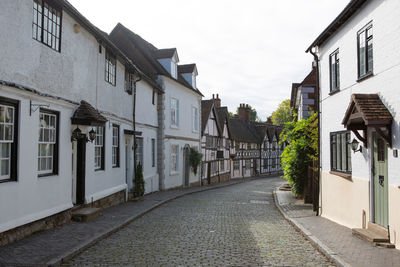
217	101
244	112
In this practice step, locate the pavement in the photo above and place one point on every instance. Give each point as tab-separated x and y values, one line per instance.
52	247
236	225
334	240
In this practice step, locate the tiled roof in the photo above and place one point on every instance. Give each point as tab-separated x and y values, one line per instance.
242	131
86	114
370	109
293	97
164	53
187	68
144	54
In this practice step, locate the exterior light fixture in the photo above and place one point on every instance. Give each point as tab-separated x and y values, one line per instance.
92	135
354	146
76	134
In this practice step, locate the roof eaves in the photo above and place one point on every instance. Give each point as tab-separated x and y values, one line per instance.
340	20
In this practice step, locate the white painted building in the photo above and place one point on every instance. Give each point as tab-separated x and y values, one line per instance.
360	100
52	58
178	106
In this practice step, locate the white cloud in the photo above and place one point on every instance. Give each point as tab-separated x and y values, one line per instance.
247	51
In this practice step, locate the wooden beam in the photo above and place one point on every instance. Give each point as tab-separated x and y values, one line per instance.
388	136
361	138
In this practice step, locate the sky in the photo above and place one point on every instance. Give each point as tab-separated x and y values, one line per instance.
245	51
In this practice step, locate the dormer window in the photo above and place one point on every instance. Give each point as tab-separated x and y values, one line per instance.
174	71
194	80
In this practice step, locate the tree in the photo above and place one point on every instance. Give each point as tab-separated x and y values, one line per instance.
282	114
301	138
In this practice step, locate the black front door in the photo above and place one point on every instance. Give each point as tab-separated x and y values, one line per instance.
80	170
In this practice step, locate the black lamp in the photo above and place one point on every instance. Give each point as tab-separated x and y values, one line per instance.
92	135
354	146
76	134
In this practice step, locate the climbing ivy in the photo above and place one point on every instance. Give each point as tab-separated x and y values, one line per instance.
301	138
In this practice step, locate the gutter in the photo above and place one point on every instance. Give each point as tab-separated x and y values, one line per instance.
316	60
134	125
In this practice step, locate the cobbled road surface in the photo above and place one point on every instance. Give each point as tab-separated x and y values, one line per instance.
232	226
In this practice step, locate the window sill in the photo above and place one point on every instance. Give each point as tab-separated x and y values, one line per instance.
174	127
117	166
47	175
174	173
334	92
366	76
8	180
341	174
98	170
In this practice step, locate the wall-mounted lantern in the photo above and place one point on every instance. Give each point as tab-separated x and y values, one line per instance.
354	146
92	135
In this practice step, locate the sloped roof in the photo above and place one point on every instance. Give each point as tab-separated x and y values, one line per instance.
145	55
187	68
86	114
340	20
206	106
242	131
165	53
367	109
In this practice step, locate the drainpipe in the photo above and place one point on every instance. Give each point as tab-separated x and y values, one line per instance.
316	59
139	78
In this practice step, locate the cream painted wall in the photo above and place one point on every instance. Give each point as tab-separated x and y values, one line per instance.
344	200
384	16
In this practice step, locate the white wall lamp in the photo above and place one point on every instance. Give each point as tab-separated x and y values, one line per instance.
354	146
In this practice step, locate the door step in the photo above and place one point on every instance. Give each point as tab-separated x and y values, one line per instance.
85	214
375	234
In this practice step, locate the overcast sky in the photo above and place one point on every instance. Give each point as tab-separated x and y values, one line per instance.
247	51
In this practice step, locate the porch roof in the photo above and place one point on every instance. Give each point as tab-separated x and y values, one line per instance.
368	110
86	114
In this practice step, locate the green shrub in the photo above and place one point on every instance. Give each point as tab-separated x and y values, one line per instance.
194	159
138	190
302	148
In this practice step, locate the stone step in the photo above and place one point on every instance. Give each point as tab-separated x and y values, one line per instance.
377	229
370	236
384	245
85	214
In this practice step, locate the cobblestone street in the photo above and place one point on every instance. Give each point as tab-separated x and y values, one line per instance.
233	226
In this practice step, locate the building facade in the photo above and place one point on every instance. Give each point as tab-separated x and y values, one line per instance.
359	102
62	86
178	106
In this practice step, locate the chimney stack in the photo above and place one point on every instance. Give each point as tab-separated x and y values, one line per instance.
217	101
244	112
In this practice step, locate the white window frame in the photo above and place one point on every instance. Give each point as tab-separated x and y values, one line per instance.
6	141
174	68
174	113
174	158
195	119
47	127
99	157
115	146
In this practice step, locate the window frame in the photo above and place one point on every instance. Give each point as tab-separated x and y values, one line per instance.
364	31
195	119
115	148
334	87
174	122
129	81
348	166
174	152
102	150
40	35
110	61
153	152
13	176
56	144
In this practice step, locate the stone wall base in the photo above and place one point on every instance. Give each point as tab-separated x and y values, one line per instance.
217	179
26	230
55	220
